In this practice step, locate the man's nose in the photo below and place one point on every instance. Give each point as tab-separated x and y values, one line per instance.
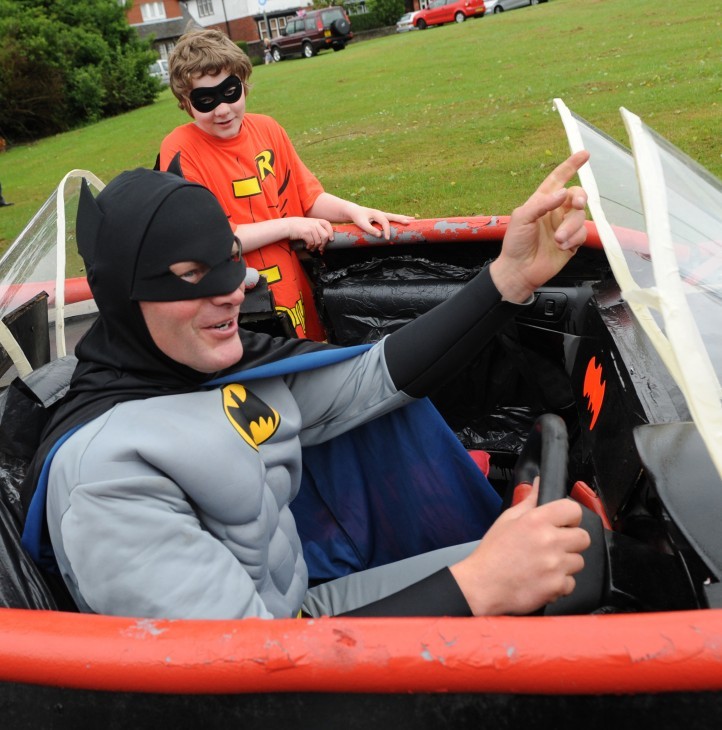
234	297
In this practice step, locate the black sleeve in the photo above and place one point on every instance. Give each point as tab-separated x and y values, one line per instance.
434	347
437	595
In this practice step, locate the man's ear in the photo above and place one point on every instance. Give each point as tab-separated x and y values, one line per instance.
87	224
175	165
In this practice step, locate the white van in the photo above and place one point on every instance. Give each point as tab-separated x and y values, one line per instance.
159	69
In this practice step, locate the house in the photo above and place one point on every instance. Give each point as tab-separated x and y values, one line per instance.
164	20
241	20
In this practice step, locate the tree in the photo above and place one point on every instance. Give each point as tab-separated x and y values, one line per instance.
387	11
65	63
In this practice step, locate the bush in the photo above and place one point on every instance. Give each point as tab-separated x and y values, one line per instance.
387	11
365	21
255	55
65	63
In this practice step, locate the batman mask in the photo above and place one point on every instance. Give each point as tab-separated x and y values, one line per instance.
162	219
140	224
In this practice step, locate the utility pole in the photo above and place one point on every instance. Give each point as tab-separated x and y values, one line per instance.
225	17
262	3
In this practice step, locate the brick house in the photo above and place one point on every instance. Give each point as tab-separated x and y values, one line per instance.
167	20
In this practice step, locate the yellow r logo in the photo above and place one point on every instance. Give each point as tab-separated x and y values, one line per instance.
264	164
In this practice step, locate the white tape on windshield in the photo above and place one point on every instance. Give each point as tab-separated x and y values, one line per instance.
61	257
696	375
638	298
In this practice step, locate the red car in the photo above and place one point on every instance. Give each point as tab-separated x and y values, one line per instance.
447	11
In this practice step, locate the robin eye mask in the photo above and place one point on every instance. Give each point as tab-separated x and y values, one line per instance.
207	98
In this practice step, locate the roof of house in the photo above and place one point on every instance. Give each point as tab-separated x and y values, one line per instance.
169	28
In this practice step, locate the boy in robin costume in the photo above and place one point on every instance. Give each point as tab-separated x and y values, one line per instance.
251	166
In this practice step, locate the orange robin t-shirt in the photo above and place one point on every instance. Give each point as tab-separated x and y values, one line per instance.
256	176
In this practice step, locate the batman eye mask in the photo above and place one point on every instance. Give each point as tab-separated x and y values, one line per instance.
207	98
189	226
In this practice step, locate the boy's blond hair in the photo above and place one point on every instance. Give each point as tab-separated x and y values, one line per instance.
201	53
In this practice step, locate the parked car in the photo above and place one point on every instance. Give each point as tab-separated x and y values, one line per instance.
159	69
448	11
313	31
499	6
406	22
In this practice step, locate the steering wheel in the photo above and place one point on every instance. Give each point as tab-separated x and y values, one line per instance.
545	455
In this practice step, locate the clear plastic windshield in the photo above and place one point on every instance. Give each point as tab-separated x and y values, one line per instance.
694	216
659	216
30	265
44	258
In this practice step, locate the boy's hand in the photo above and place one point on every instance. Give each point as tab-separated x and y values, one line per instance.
543	234
372	221
365	218
314	232
526	560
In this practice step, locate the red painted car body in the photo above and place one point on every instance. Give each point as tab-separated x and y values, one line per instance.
449	11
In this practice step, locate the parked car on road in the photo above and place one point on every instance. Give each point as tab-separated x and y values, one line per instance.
448	11
159	69
499	6
313	31
406	22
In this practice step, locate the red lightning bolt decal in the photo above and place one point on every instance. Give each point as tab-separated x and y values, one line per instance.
594	387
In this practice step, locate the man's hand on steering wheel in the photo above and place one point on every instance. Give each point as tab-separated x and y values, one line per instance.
527	559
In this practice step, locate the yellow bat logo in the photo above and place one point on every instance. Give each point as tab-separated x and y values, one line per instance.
254	420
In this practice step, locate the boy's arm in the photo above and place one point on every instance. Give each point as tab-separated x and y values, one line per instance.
315	229
314	232
338	210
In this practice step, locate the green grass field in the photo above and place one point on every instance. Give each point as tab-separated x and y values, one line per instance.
454	120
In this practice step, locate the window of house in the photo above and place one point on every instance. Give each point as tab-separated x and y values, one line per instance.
205	8
152	11
164	48
357	7
277	25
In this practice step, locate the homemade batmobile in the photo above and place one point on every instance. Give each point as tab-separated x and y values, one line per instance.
621	354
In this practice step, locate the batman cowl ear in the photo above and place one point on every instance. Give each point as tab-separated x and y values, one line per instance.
87	224
175	165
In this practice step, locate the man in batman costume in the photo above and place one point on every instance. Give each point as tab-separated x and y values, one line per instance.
172	466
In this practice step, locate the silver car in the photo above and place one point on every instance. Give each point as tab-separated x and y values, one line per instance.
159	69
406	22
499	6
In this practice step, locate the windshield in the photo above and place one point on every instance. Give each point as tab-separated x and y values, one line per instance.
37	262
659	216
695	220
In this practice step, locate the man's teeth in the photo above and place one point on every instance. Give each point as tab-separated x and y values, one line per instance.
222	326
